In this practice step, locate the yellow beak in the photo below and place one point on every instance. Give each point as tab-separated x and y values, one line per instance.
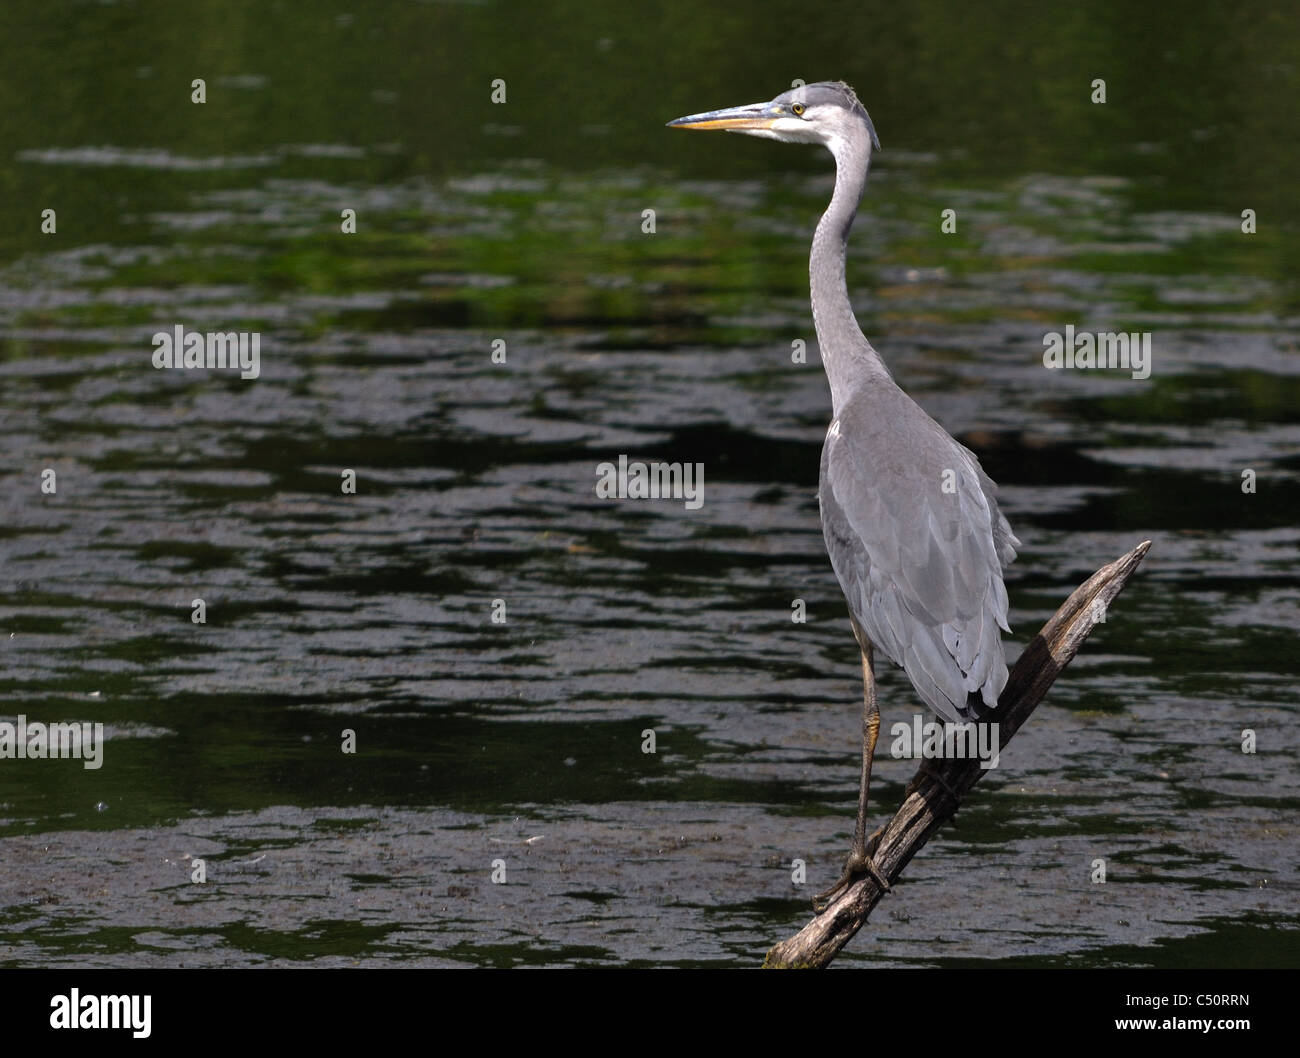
752	116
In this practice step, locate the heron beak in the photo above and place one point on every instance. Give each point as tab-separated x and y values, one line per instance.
731	119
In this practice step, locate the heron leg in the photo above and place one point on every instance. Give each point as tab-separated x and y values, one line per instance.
860	860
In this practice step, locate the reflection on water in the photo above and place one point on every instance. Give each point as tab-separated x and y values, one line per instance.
522	740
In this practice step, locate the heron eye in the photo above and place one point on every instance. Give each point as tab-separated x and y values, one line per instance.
798	109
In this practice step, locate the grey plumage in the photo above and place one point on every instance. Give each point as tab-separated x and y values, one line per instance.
921	567
911	523
912	527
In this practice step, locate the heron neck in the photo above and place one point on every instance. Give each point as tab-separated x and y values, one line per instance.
846	354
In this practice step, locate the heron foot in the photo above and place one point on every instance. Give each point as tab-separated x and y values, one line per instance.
858	864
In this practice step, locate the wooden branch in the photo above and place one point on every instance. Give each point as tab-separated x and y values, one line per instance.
927	805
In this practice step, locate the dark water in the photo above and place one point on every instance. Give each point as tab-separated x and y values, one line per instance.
522	741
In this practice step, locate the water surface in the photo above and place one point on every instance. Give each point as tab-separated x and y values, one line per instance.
522	742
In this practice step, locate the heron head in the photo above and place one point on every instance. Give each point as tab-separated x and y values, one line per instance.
827	112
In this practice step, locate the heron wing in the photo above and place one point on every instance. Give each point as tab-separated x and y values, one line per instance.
918	544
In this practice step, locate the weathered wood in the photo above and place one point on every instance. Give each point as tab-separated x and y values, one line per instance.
927	805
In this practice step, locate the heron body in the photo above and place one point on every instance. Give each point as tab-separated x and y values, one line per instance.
921	567
911	524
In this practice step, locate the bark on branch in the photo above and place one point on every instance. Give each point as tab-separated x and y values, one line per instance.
927	805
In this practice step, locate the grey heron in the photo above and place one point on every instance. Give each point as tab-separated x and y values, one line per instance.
910	520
